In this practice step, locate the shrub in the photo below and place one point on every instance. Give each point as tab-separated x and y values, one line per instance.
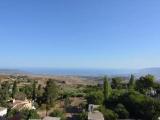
140	106
108	113
83	116
58	113
23	114
95	98
121	111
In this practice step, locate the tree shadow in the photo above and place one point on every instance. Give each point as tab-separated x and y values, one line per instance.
74	117
73	109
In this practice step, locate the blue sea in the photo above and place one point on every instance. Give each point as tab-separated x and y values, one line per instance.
78	72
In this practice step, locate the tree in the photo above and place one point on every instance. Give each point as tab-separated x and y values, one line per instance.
32	114
131	82
24	114
39	97
95	98
34	90
121	111
40	90
3	98
141	106
116	82
4	93
83	116
145	83
67	103
58	113
14	89
108	113
11	113
51	92
106	88
28	91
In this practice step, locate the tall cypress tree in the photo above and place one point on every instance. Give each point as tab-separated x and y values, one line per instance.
106	88
14	89
34	90
51	92
131	82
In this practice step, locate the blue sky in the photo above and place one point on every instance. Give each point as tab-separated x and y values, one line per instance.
79	33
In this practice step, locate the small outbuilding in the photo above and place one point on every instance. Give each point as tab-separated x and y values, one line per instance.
3	111
51	118
94	114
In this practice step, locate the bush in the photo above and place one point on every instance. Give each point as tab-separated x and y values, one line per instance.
11	113
135	105
83	116
95	98
140	106
33	115
58	113
108	113
144	83
121	111
23	114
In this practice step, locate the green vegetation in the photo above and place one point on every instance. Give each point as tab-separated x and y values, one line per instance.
116	83
117	98
23	114
27	90
121	111
34	90
51	92
140	106
58	113
107	88
83	116
74	91
23	88
108	113
144	83
131	82
14	89
130	102
95	97
4	93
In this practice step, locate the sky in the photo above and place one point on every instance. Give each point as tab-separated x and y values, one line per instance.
80	33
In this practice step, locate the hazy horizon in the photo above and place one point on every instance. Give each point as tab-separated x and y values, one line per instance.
83	72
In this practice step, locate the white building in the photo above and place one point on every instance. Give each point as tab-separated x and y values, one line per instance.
51	118
3	111
94	114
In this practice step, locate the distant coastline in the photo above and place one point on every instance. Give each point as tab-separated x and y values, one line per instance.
82	72
74	72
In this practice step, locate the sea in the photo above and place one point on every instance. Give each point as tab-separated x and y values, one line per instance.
77	72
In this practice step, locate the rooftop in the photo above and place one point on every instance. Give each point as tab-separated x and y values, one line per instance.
2	108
